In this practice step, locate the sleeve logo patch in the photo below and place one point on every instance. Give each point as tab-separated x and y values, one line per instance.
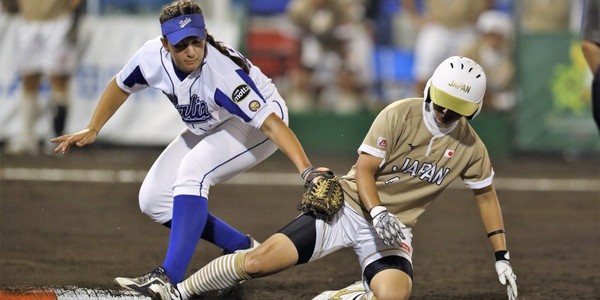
240	93
382	142
254	105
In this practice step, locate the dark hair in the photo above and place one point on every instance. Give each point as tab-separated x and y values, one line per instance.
189	7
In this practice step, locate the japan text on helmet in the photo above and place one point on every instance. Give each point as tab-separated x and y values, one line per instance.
458	84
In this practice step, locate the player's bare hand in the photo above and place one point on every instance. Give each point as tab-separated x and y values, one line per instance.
80	139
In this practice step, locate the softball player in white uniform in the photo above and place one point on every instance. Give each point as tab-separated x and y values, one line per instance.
414	149
45	47
235	119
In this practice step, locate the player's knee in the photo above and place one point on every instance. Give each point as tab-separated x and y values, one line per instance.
255	264
274	255
157	215
59	98
144	201
392	293
391	284
149	206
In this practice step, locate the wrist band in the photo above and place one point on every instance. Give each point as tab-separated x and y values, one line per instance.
502	255
306	171
375	210
499	231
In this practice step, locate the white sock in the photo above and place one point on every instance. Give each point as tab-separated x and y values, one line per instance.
184	295
221	273
29	115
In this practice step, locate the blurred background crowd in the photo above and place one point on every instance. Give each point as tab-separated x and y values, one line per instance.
348	58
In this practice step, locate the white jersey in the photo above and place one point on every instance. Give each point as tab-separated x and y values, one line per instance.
214	93
223	108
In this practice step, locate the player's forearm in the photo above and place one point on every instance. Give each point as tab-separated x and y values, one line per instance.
285	139
491	216
366	166
112	98
367	191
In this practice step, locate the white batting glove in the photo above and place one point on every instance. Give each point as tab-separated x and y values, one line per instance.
506	274
387	225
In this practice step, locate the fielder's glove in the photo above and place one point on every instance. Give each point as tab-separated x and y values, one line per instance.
323	195
506	274
388	226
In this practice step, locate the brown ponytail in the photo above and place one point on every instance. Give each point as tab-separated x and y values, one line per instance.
241	62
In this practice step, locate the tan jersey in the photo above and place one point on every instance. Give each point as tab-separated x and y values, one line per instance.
417	166
41	10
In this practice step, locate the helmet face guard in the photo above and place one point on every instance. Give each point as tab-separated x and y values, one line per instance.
458	84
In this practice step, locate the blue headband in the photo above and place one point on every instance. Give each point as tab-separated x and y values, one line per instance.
183	26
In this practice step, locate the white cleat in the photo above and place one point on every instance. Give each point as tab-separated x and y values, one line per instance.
165	291
355	291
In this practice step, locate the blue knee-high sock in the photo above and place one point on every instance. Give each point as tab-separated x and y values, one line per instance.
224	236
189	219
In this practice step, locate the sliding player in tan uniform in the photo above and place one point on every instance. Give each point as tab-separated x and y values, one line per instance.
414	149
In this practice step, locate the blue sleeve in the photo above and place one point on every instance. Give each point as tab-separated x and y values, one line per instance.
239	95
135	77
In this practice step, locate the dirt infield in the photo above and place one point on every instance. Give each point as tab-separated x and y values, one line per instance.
56	233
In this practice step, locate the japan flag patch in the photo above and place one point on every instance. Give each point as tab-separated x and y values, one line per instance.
449	153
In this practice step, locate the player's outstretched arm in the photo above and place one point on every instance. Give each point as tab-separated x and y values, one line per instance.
491	215
80	138
112	98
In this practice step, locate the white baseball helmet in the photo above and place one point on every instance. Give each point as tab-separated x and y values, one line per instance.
458	83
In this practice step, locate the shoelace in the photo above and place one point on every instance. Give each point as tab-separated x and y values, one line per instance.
154	274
